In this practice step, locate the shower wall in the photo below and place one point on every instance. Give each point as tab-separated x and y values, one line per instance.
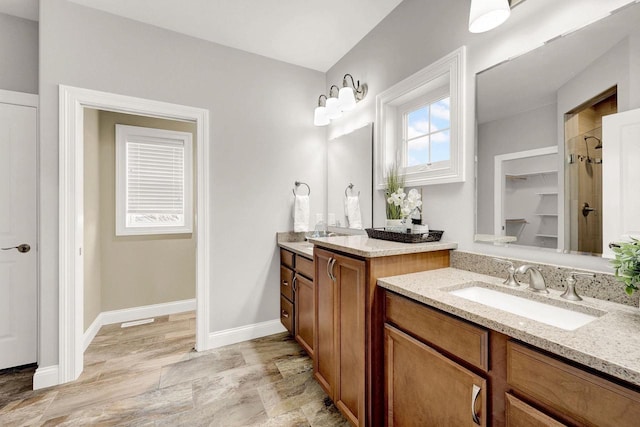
584	174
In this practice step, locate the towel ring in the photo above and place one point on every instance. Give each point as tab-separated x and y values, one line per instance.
349	187
298	184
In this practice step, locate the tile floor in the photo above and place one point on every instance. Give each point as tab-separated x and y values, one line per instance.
149	375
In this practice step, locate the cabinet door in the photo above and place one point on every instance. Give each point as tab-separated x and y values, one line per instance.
519	414
305	297
424	388
349	305
324	361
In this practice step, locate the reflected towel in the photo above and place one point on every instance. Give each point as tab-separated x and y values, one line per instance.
352	211
301	213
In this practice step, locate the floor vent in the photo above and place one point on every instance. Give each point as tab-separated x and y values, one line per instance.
136	323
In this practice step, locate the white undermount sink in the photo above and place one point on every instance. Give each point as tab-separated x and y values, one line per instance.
540	312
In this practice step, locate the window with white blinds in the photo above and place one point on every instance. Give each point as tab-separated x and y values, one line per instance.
153	181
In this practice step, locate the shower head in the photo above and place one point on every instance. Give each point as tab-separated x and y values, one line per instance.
598	145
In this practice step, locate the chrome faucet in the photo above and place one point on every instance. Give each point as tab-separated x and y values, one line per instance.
510	280
570	292
536	281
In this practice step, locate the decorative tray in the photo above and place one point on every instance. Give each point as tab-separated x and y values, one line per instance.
381	233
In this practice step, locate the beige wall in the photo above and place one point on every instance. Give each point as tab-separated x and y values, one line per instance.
92	250
127	271
140	270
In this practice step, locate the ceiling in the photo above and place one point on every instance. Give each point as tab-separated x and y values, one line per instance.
312	34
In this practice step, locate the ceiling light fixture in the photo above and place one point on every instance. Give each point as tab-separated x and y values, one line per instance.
348	96
486	15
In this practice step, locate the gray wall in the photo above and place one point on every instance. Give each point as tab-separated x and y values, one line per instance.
262	140
524	131
419	32
18	54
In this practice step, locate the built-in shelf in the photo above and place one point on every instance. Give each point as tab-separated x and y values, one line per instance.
548	193
528	174
546	214
551	236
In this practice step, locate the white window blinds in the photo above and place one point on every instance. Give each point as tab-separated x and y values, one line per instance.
155	174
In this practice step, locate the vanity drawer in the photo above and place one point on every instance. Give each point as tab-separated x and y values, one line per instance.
585	397
287	258
456	337
286	282
286	313
304	266
520	414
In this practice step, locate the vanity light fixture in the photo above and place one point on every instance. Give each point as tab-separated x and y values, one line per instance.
334	109
350	94
320	114
486	15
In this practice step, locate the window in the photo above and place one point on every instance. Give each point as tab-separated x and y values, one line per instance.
419	125
154	176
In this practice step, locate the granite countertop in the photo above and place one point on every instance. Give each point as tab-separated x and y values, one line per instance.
363	246
609	344
304	249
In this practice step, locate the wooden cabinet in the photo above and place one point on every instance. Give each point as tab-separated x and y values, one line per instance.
425	388
567	393
297	296
340	358
429	357
520	414
349	342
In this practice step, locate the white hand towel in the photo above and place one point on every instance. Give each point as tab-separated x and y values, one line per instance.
301	213
352	211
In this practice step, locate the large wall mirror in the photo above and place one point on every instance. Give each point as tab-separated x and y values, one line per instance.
540	144
350	180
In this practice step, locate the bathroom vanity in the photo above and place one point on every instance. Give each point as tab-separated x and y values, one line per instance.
448	358
349	319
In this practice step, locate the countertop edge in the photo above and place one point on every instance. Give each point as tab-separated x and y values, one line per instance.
577	355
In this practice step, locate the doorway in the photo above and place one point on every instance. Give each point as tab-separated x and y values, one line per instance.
73	101
583	172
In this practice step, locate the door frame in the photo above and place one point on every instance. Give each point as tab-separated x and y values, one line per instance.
72	101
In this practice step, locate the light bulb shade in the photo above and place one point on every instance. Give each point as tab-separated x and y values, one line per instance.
347	99
486	15
333	108
320	117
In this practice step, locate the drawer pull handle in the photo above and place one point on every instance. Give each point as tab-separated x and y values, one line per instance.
293	284
329	267
474	397
332	263
285	314
285	283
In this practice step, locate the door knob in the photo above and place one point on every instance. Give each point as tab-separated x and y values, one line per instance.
23	248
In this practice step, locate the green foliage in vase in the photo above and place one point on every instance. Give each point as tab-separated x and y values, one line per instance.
394	183
626	264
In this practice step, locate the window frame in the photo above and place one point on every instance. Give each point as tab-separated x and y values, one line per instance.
125	134
448	72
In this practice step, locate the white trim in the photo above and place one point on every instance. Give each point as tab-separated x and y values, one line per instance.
449	71
499	181
46	376
128	314
244	333
19	98
92	331
71	106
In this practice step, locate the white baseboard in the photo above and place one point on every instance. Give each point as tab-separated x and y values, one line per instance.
46	376
244	333
136	313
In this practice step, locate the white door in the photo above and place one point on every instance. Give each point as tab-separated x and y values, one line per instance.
620	178
18	289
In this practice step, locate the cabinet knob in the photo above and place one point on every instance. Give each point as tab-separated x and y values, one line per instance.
285	283
285	314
